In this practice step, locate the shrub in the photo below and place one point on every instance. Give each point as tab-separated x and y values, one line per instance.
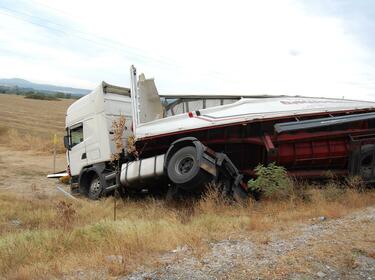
272	181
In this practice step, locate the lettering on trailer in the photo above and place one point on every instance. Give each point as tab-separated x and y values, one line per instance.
312	101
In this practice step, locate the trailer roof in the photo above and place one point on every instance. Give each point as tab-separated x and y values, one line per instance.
218	96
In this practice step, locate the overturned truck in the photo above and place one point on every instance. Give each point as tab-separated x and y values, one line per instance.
185	142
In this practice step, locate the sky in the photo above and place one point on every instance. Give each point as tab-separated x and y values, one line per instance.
311	48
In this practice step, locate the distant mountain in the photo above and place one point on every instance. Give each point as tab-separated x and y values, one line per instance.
21	83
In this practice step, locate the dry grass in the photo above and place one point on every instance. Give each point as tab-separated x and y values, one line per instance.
23	141
45	238
27	124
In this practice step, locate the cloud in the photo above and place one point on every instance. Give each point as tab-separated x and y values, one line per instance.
195	46
357	16
294	52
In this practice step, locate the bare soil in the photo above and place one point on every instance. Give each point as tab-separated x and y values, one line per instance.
24	172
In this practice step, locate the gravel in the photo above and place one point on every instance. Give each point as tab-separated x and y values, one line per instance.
246	259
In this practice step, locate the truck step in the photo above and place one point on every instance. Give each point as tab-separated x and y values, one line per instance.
110	188
110	176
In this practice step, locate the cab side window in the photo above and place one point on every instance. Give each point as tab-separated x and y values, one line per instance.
76	135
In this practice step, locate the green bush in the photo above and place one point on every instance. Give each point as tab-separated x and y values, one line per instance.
272	181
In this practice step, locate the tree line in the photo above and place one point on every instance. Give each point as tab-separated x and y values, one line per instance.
37	94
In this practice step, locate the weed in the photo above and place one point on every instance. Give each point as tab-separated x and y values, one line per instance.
212	200
355	183
272	181
66	214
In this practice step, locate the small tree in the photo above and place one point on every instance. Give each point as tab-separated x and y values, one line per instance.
118	128
272	181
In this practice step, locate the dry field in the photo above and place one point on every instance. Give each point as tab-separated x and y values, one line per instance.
30	124
44	235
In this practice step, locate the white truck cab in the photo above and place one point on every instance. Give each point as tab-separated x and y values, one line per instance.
89	127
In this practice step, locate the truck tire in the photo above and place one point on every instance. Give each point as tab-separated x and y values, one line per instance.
95	187
183	169
365	168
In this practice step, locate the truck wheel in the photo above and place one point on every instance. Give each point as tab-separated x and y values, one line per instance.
366	163
184	171
95	188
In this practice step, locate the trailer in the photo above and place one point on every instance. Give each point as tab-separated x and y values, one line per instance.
184	142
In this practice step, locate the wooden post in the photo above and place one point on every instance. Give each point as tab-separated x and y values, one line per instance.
114	206
54	152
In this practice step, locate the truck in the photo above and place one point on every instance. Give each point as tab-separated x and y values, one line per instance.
184	142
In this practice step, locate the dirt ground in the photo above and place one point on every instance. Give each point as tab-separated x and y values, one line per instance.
25	172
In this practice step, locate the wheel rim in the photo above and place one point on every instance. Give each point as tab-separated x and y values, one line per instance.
95	186
184	165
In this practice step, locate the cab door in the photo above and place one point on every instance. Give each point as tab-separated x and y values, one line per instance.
77	153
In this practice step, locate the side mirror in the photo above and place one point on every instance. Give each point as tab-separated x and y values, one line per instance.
66	142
